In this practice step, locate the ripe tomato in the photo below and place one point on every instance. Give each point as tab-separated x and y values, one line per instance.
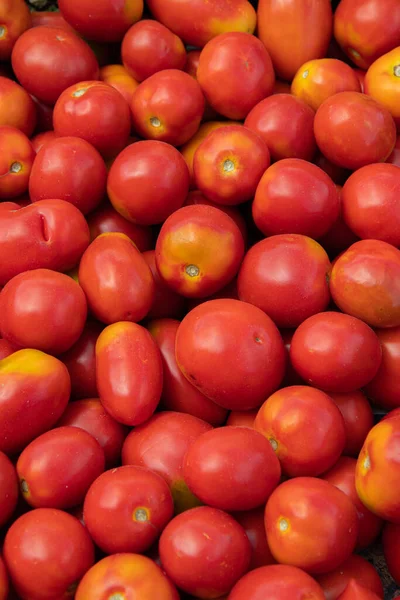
358	419
4	582
15	18
283	267
355	567
40	139
394	158
356	591
119	78
54	564
352	130
17	108
391	549
5	349
252	522
166	302
382	82
241	363
8	491
310	524
204	551
16	159
107	220
384	389
131	179
50	18
241	418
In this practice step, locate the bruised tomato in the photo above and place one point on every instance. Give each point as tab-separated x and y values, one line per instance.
358	419
17	108
166	302
354	568
391	549
382	82
16	160
242	418
15	19
252	522
8	491
107	220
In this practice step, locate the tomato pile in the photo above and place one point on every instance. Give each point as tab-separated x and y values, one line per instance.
199	299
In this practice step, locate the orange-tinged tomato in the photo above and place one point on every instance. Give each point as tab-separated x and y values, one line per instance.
16	160
119	78
17	108
382	82
355	567
15	18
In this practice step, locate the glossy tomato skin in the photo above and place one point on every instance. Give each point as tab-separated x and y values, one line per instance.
17	156
358	419
119	78
357	591
391	549
352	130
8	489
311	524
168	106
42	138
244	360
129	294
70	169
217	555
62	554
365	277
131	179
384	389
17	108
289	20
305	266
252	522
129	372
4	581
16	19
355	567
166	302
382	82
290	414
107	220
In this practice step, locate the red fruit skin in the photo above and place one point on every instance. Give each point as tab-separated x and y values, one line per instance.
252	522
384	389
17	108
166	302
8	491
358	419
391	546
5	349
355	567
16	160
40	139
107	220
4	581
241	418
47	18
15	18
356	591
394	158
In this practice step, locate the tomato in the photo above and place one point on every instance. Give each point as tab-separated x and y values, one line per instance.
391	549
336	173
168	106
311	524
15	18
4	582
47	60
17	156
129	574
129	372
17	108
394	158
276	581
252	522
339	237
289	21
40	139
44	115
352	130
5	349
53	565
95	112
107	220
355	567
283	267
240	363
356	591
119	78
382	82
365	283
286	125
199	250
242	418
204	551
166	302
8	491
131	179
384	388
358	419
116	280
50	18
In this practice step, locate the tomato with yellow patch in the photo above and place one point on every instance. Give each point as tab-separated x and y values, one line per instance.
119	78
16	160
382	82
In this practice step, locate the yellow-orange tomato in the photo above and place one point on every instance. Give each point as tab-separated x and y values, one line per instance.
318	79
15	18
119	78
382	82
17	108
16	160
378	470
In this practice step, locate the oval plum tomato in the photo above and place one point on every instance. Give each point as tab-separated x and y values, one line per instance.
17	108
235	72
129	574
131	180
335	352
95	112
40	139
61	555
391	549
116	280
342	475
352	130
283	267
53	322
8	490
166	302
106	219
119	78
15	19
70	169
204	551
252	522
126	509
285	123
383	84
242	418
168	106
149	47
321	78
277	581
355	567
310	524
47	60
295	196
358	419
289	20
160	445
394	158
365	283
4	581
370	201
199	250
232	352
5	349
366	29
129	372
296	412
57	468
17	156
356	591
229	163
384	389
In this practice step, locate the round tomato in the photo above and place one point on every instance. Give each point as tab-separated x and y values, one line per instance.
252	522
382	82
384	389
107	220
16	160
15	18
166	302
355	567
391	549
358	419
17	108
8	489
119	78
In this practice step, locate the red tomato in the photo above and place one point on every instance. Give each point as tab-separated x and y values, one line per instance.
42	309
69	168
358	419
53	565
117	282
296	412
5	349
311	524
235	72
44	115
286	125
365	283
17	108
384	389
16	159
131	180
352	130
8	491
242	418
391	549
4	583
336	173
283	267
252	522
107	220
289	21
356	591
166	302
394	158
129	372
356	568
49	18
340	236
40	139
382	82
199	250
129	574
119	78
277	581
204	551
168	106
232	352
15	18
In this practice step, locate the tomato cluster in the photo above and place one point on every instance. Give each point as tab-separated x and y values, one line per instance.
199	299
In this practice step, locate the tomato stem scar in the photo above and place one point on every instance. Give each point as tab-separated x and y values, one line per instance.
283	525
192	270
79	93
396	71
15	167
274	444
3	30
229	165
155	121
